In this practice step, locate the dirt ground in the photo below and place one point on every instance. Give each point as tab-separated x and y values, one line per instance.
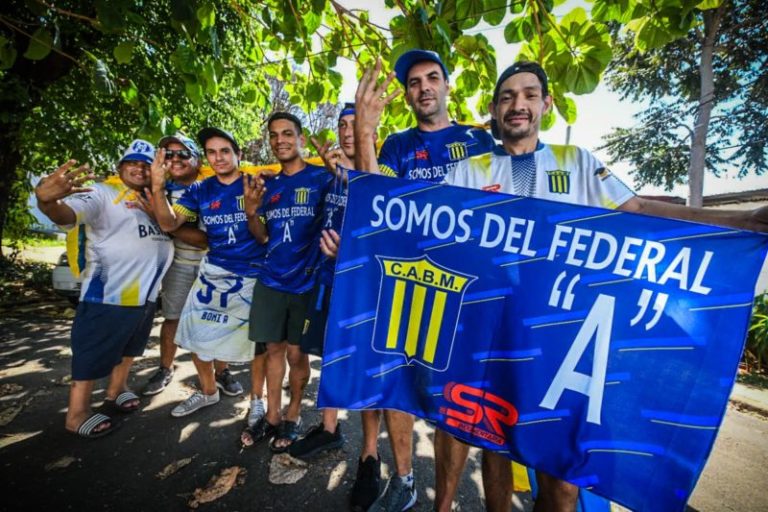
43	466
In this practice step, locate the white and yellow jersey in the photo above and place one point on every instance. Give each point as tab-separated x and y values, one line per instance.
126	252
568	174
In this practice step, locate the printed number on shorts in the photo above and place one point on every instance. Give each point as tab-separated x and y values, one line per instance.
205	295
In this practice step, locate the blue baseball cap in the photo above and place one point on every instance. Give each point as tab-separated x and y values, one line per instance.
139	151
182	139
347	110
406	61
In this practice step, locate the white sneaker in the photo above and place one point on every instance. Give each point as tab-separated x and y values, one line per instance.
196	400
257	411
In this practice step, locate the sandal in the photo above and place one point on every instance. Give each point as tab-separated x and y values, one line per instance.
259	432
87	429
287	431
121	403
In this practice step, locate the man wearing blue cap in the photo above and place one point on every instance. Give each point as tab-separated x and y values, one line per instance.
428	152
126	257
189	243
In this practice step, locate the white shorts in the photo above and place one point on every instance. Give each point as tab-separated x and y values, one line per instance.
176	285
214	321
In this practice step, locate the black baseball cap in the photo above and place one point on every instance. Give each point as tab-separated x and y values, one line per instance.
206	133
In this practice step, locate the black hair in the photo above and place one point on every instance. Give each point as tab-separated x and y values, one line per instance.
288	117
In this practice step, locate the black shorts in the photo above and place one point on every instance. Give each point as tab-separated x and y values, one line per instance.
102	334
276	316
313	337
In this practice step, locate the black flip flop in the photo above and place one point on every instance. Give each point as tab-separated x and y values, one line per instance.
260	431
87	429
288	430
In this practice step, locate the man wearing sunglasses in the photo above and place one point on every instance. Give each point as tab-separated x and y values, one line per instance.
190	242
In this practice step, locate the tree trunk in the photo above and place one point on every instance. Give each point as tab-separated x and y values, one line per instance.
697	163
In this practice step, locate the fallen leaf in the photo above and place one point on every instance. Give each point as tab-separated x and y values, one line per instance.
173	467
217	486
64	381
60	464
284	469
10	388
8	414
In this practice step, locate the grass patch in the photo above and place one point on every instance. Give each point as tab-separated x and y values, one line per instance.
758	380
20	279
35	240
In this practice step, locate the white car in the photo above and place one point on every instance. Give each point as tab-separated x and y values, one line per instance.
64	282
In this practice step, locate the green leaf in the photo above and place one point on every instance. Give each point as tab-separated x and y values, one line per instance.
514	32
110	15
621	11
315	92
206	15
548	120
708	4
182	10
249	94
186	59
39	45
123	52
469	12
466	44
468	82
566	107
210	78
650	33
130	94
495	10
194	93
7	53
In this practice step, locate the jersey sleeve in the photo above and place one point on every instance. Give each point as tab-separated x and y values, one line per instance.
188	204
87	206
389	158
602	185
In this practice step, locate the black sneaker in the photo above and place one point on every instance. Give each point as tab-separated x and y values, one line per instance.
317	440
226	382
158	381
366	488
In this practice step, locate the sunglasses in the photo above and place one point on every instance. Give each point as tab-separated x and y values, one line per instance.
184	154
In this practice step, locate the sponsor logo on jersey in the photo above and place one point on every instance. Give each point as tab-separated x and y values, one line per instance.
478	412
457	150
301	195
275	198
492	188
418	310
559	182
215	205
603	173
422	154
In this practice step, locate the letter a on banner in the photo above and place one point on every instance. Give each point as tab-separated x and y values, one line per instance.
598	323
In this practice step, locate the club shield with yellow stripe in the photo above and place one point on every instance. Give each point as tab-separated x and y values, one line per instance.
418	310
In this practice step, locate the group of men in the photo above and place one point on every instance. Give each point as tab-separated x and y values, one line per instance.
261	292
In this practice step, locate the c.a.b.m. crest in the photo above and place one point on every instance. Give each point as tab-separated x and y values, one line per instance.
301	196
418	310
559	182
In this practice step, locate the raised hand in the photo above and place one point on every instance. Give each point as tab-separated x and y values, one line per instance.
331	157
63	182
253	193
371	98
158	171
329	242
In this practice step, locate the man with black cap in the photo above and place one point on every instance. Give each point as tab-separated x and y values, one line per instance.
214	320
522	165
189	243
426	152
126	256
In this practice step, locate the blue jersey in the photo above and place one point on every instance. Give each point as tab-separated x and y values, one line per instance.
221	209
418	155
293	214
333	213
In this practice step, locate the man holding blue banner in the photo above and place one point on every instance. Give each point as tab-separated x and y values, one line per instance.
521	166
426	152
526	167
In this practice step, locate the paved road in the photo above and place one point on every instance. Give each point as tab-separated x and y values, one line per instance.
118	472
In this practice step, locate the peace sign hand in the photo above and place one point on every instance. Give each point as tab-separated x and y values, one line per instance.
63	182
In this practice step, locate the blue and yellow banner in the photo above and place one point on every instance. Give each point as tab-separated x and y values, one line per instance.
595	345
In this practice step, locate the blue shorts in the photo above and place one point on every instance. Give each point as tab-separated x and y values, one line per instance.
102	334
